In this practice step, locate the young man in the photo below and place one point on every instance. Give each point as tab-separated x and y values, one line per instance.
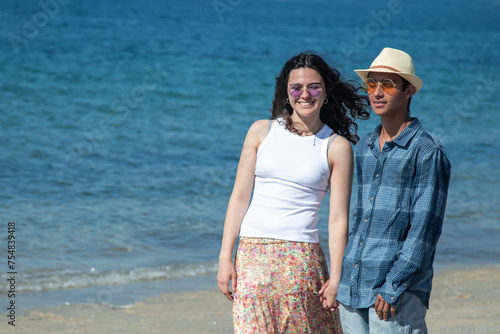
403	176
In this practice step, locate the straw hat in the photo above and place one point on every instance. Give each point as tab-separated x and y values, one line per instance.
394	61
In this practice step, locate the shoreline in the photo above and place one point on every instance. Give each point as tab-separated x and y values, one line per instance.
129	294
116	295
464	300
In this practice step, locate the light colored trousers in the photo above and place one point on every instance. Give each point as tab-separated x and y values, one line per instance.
409	319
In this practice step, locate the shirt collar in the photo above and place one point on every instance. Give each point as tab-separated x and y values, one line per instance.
402	139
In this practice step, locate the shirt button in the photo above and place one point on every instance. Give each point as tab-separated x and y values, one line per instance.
406	285
355	266
371	198
376	175
392	298
366	220
361	243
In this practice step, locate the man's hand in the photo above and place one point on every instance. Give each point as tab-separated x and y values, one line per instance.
382	308
328	296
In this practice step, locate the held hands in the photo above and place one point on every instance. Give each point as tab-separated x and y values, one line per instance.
225	274
382	308
328	296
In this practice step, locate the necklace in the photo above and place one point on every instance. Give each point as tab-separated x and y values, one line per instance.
320	127
313	133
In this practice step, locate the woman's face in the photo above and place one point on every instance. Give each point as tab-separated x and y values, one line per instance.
306	92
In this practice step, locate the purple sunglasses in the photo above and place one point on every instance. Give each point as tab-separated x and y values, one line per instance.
296	90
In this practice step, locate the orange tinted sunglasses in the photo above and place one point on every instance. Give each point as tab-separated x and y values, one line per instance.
389	86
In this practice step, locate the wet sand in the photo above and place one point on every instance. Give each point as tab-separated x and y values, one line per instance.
462	301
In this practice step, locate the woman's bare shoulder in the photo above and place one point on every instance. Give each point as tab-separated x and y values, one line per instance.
339	143
258	130
339	148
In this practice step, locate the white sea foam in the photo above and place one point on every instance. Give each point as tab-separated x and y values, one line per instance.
69	279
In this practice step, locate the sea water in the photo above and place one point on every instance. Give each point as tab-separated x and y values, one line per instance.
122	124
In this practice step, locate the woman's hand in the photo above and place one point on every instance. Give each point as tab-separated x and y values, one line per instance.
226	274
238	205
328	296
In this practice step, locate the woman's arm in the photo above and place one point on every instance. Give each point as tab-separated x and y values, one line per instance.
238	205
341	162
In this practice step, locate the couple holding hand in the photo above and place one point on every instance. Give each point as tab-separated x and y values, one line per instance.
381	273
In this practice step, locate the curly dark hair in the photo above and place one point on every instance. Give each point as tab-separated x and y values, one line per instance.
344	104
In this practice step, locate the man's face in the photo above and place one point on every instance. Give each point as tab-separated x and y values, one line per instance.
391	101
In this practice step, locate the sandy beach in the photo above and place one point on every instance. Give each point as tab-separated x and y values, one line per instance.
462	301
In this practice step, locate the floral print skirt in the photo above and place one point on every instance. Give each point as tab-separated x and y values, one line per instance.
277	288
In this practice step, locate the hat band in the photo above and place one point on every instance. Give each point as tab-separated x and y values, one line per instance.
387	67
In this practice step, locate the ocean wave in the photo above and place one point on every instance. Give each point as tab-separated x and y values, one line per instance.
70	279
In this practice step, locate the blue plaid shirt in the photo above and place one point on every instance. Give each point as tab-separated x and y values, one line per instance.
402	193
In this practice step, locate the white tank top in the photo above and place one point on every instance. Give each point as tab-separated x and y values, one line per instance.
292	177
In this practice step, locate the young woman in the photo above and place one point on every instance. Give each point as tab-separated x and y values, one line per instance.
289	163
